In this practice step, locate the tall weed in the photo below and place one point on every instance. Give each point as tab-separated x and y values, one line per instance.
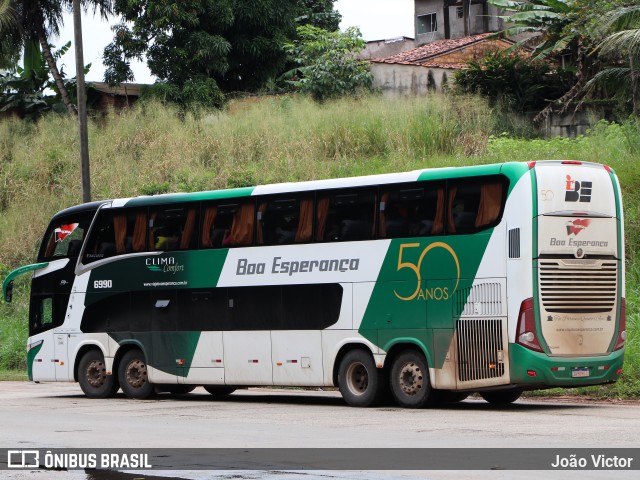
153	149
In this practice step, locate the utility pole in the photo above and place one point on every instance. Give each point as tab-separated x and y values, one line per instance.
82	103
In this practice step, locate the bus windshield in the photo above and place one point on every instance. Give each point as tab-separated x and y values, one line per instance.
64	236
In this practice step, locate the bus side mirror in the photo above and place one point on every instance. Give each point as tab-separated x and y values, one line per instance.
8	292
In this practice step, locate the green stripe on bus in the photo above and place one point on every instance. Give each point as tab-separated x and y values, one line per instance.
174	198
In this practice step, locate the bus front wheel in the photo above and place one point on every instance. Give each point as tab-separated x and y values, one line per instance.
133	375
359	380
93	378
410	382
502	397
219	391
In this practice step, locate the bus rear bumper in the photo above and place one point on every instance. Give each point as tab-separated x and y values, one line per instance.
535	369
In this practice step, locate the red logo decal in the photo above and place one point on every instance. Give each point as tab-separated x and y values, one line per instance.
63	231
576	226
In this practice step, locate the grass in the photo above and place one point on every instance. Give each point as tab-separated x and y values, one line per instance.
151	149
13	375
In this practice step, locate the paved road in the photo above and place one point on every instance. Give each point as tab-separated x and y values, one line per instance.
58	415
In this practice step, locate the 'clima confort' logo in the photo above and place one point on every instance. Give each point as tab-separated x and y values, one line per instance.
166	264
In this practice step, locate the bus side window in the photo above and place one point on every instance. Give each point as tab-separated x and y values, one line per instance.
284	221
346	216
117	232
227	225
406	211
474	205
46	313
173	228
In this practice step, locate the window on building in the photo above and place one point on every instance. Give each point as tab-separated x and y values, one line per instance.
427	23
459	12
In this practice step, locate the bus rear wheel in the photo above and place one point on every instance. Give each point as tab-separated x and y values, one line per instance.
359	380
219	391
501	397
133	375
410	384
93	378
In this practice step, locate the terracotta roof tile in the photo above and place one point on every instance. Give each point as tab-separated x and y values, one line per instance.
417	56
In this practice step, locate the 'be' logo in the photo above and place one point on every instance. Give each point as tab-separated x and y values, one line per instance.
577	191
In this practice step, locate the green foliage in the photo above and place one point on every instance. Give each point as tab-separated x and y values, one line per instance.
574	29
24	90
195	93
319	13
521	84
328	64
621	50
191	44
552	19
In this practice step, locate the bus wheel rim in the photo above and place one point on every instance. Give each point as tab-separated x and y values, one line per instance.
96	374
136	373
357	378
411	379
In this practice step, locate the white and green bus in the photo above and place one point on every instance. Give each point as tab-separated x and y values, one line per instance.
429	285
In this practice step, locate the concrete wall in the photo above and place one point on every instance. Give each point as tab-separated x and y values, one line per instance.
397	80
386	48
571	124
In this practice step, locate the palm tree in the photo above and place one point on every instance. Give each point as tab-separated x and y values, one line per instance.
26	21
622	44
557	24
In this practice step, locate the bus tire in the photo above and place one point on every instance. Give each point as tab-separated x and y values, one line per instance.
359	380
133	375
93	378
449	396
502	397
219	391
175	389
409	380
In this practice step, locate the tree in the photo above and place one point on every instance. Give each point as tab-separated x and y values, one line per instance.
8	19
22	90
328	64
29	21
567	28
233	44
523	84
621	47
319	13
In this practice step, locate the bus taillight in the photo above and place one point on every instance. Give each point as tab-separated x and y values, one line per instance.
527	332
622	328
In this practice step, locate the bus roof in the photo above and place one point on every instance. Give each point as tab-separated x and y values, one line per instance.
512	170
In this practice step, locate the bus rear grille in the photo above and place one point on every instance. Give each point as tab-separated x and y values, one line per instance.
578	286
480	349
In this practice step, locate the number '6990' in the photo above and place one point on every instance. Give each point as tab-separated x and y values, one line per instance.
102	284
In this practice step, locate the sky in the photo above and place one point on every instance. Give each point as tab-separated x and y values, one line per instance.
377	19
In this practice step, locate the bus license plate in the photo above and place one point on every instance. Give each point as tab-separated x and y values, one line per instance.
580	372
